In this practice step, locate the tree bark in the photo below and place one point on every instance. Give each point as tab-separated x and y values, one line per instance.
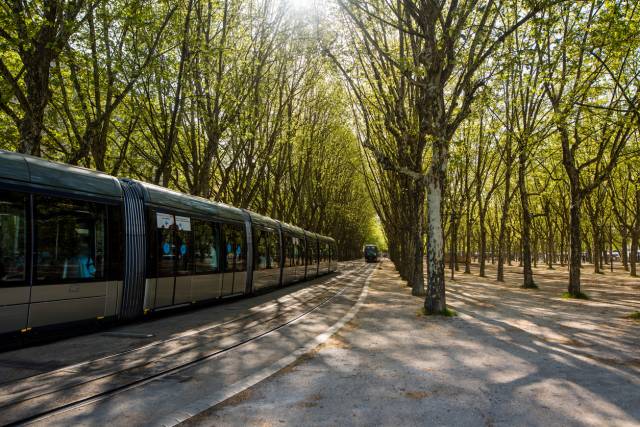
467	251
454	237
417	276
633	256
623	255
483	243
526	220
635	236
435	302
575	241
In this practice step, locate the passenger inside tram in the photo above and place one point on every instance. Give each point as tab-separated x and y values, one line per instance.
80	265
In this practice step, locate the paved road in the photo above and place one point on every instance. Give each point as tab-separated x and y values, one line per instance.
512	358
170	379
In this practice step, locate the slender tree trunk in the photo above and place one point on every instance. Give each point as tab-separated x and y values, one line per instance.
596	253
623	255
493	247
454	238
633	256
635	236
467	252
483	243
550	240
502	234
611	248
526	221
575	241
417	275
509	255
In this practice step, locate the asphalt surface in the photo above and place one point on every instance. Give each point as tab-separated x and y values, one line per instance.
511	357
367	356
175	366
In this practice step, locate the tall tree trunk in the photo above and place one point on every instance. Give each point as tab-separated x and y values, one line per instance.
37	66
633	256
562	250
435	302
454	238
509	253
550	240
596	253
503	225
483	243
575	252
611	247
417	275
526	220
623	255
467	251
635	236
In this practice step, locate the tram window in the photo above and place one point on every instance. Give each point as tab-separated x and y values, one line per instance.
262	254
294	255
206	242
166	251
228	258
315	252
12	237
70	240
288	251
274	250
241	250
301	252
183	252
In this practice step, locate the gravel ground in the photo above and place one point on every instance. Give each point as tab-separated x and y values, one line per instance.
510	357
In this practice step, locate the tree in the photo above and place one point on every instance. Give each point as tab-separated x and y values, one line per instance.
580	89
33	35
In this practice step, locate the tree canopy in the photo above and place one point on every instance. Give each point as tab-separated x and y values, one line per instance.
486	130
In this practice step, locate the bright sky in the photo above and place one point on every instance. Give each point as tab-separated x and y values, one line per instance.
304	6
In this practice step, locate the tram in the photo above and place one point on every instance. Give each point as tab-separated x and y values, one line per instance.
78	245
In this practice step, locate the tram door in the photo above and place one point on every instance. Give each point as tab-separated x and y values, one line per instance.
234	261
14	287
174	260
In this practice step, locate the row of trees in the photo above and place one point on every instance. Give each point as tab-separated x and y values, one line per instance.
516	117
229	100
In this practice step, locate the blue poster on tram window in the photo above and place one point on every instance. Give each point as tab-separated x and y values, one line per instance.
166	248
238	250
183	249
229	248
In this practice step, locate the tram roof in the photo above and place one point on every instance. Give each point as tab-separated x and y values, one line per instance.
49	174
164	197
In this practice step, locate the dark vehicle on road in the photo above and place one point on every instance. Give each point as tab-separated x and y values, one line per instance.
371	253
78	245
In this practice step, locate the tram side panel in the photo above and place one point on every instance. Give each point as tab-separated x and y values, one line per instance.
60	256
14	259
194	259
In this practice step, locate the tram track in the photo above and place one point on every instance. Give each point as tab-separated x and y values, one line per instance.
77	385
255	312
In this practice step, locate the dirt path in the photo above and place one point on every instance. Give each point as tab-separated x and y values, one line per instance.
511	357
